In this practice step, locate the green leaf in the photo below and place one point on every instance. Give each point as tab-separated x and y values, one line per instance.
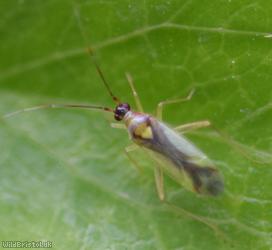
64	177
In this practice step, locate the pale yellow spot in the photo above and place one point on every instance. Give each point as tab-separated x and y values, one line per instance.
144	131
147	133
140	129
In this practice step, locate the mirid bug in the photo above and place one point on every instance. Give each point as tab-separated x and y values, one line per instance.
175	155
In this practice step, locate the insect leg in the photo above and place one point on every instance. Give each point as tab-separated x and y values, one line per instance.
118	125
135	94
254	155
163	103
193	126
249	153
128	150
158	172
212	224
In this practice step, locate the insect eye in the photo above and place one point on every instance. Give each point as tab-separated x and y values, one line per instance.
125	106
120	111
117	117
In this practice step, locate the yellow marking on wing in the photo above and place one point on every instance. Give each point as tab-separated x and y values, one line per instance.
139	129
147	133
144	131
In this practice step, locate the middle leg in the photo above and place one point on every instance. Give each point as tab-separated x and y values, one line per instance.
192	126
167	102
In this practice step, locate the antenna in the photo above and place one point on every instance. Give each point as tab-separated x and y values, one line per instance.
78	106
46	106
92	57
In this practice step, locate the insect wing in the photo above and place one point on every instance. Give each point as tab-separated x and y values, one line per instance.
183	161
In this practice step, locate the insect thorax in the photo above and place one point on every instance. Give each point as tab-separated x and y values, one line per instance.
139	127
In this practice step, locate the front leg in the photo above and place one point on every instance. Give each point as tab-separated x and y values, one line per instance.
118	125
135	94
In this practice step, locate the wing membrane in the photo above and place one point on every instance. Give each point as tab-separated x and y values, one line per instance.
183	161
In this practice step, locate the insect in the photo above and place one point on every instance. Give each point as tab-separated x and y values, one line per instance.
174	154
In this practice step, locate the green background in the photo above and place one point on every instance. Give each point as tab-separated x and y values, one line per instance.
64	176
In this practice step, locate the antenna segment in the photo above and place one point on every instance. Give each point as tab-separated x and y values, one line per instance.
46	106
92	56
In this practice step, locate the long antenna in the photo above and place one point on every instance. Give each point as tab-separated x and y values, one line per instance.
92	57
98	69
46	106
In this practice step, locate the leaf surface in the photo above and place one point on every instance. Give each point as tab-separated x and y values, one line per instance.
64	177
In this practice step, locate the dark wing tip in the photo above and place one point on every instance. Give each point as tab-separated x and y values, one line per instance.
206	180
215	187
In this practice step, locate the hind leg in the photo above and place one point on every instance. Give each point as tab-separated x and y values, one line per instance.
252	155
178	210
158	174
212	224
